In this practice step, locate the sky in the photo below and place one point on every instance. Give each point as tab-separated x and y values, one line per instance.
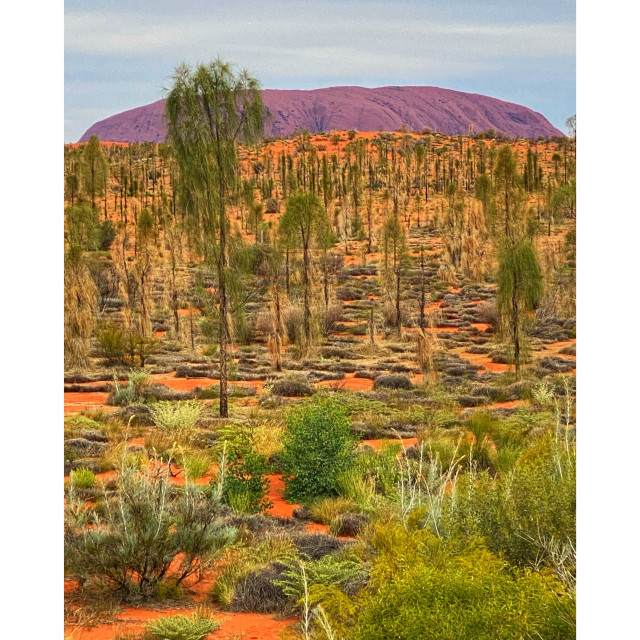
121	54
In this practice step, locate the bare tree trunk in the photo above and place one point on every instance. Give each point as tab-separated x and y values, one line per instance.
307	296
222	284
371	328
422	287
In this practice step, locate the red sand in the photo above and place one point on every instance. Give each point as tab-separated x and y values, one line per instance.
511	404
378	444
78	401
248	626
189	384
348	382
480	326
280	507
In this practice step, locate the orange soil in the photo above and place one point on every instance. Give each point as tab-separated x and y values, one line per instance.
440	329
248	626
480	326
280	507
511	404
76	402
555	348
378	444
188	312
159	334
484	360
189	384
434	306
348	382
316	527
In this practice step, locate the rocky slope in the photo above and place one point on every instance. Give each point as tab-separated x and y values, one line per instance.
384	108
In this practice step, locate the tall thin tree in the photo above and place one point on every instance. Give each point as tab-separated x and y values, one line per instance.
209	111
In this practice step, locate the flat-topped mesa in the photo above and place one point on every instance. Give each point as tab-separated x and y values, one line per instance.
339	108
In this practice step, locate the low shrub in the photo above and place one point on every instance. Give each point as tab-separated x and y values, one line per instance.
272	206
392	381
292	388
113	343
182	627
427	589
317	545
177	419
147	533
82	478
318	445
260	592
245	560
246	484
349	524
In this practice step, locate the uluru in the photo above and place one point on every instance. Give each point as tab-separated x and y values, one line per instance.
337	108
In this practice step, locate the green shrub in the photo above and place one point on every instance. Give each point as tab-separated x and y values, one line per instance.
533	502
113	343
147	532
445	593
106	235
332	569
82	478
318	445
182	627
246	484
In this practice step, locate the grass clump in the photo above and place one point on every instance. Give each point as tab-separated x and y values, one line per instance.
292	388
325	511
177	419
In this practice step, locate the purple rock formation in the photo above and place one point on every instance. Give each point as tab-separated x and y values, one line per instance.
381	109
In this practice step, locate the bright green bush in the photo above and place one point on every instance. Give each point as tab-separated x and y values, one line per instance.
246	484
318	445
453	595
82	478
182	627
420	586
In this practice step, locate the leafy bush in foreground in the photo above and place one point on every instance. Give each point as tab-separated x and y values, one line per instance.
318	445
143	529
422	587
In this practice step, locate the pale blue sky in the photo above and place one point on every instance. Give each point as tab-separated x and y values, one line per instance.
120	54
